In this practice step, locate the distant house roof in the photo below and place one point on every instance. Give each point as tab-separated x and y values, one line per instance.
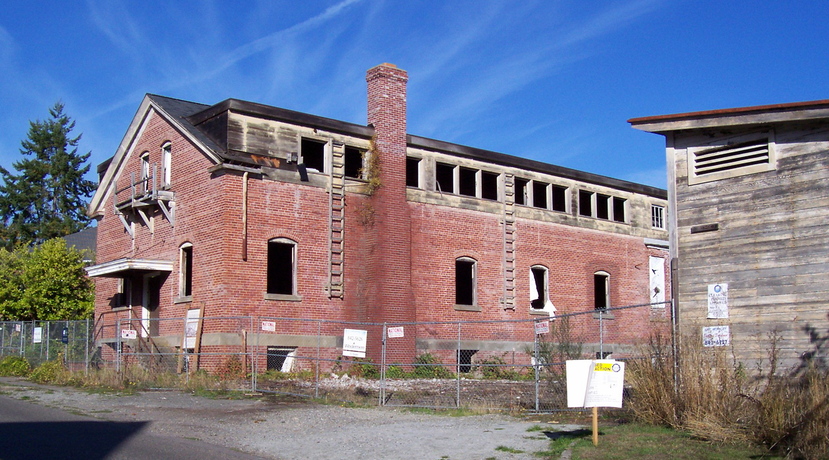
84	241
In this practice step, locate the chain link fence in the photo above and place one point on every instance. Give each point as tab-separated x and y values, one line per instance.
503	365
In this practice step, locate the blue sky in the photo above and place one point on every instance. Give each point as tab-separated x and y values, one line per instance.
554	81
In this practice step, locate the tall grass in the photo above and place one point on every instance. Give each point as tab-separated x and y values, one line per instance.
711	395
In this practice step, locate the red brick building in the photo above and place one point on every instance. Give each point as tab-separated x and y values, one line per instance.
241	209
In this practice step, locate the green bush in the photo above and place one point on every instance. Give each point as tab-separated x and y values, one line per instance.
14	366
395	372
49	372
427	366
364	368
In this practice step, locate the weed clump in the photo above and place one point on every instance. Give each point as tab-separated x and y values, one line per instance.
14	366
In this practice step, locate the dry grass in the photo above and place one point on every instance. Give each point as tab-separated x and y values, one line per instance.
717	399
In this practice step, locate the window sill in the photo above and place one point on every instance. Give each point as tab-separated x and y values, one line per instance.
459	307
121	308
539	311
284	297
605	315
183	299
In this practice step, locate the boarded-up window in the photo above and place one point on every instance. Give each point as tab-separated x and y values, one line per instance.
489	185
313	154
445	177
465	281
413	172
353	162
281	266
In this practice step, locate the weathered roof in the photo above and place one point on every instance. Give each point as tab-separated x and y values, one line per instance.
740	116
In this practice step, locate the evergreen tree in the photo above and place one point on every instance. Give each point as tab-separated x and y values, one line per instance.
46	198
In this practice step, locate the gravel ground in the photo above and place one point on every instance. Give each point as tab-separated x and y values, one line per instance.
283	429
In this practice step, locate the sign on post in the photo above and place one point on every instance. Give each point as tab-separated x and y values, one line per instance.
595	383
37	335
64	335
129	334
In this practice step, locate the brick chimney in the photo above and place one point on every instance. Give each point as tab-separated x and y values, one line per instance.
386	246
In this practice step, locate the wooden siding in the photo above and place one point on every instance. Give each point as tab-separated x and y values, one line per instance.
771	245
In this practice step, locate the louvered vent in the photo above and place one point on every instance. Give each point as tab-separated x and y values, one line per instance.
731	157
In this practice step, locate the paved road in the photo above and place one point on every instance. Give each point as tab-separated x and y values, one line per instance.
28	430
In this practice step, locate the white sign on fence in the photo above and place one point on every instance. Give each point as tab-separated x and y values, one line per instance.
191	328
718	300
37	335
354	343
395	332
595	383
542	327
269	326
128	333
716	336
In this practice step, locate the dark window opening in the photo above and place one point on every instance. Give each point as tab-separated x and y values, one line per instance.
313	154
445	178
466	179
559	198
187	271
280	268
123	296
539	295
277	356
465	360
353	162
521	191
602	206
618	209
413	172
601	283
540	195
465	282
489	185
585	204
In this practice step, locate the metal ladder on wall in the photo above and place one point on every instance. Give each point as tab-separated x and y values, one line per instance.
336	199
508	300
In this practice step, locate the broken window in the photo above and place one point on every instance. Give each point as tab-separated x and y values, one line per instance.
353	162
658	217
538	287
281	266
559	198
186	270
601	286
445	178
465	360
619	209
585	203
145	172
313	154
602	206
166	165
521	191
489	185
466	181
123	293
465	281
540	194
280	358
412	172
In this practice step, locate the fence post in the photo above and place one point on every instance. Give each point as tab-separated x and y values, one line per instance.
382	396
86	350
319	361
118	345
458	369
537	365
601	334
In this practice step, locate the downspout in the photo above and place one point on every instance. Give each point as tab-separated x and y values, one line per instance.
245	216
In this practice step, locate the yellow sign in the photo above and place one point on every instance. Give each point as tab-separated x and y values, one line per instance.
603	367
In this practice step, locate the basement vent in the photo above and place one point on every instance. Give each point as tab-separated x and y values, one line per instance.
731	160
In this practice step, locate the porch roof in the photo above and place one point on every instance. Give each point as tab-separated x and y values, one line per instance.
118	267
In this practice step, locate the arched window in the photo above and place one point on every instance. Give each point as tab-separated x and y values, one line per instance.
145	171
281	267
185	270
166	164
465	281
601	287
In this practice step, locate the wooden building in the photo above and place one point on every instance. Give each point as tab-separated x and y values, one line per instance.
241	209
749	194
